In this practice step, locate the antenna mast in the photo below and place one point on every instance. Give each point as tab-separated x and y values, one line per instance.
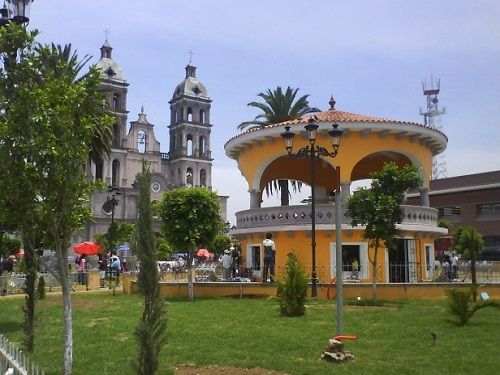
432	119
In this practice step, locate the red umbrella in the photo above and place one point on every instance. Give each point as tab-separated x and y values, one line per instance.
203	253
87	248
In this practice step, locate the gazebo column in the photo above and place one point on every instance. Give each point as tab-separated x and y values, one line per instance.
345	192
255	198
424	197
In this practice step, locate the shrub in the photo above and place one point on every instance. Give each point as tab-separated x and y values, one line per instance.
40	288
462	305
292	290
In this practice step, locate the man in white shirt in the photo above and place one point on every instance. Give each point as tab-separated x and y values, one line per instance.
269	258
227	262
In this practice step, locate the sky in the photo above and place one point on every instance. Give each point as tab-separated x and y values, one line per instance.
372	56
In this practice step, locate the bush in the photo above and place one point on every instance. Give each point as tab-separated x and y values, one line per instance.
462	305
292	290
40	288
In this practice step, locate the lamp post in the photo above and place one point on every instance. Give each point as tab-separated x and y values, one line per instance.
110	204
313	152
15	11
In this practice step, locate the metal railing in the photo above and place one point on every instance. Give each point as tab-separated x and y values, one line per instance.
14	362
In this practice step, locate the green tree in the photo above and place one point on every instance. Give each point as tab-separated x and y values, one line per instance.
279	106
469	242
220	243
379	208
292	290
48	123
151	332
191	219
117	233
463	306
18	172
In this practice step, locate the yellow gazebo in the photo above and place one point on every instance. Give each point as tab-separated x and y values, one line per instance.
367	143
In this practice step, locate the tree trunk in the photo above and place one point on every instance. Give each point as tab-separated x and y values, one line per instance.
285	195
30	290
374	271
190	278
62	261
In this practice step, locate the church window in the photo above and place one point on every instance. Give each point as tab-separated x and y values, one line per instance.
141	141
190	145
115	172
202	116
116	135
189	177
189	114
115	103
176	117
98	170
201	146
203	178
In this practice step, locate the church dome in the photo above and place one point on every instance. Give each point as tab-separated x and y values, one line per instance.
107	66
190	86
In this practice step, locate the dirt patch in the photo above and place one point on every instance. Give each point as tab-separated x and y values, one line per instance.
216	370
75	303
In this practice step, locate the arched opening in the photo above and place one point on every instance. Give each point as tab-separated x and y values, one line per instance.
189	177
201	147
189	145
115	173
99	166
116	135
115	102
141	141
203	178
189	114
202	116
176	117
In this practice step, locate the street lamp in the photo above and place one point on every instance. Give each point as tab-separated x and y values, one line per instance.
15	11
312	152
110	204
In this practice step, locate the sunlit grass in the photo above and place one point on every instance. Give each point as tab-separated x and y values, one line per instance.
394	338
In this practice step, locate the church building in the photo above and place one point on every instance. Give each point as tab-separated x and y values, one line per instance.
188	161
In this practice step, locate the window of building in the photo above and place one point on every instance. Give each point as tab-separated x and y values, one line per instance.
203	178
253	257
201	146
189	145
189	177
189	114
98	170
115	102
141	141
351	252
202	116
116	135
490	208
450	211
115	173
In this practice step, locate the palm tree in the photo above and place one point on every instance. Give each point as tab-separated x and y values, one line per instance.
63	62
469	242
279	106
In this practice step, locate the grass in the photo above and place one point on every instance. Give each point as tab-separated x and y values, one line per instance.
393	338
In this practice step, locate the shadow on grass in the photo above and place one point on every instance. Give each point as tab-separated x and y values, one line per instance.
10	326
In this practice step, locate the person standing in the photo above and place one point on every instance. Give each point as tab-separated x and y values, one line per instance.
82	269
269	258
454	266
227	262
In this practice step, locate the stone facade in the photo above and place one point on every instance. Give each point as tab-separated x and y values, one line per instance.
187	163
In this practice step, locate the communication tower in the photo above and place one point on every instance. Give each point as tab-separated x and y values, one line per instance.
432	118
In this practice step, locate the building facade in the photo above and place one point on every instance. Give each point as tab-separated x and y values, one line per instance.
469	200
188	161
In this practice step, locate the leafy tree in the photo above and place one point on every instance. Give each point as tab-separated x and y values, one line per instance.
49	120
9	245
191	219
292	291
379	209
469	242
163	248
18	172
220	243
151	332
117	233
279	106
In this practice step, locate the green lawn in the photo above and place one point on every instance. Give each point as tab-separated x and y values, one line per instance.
394	339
